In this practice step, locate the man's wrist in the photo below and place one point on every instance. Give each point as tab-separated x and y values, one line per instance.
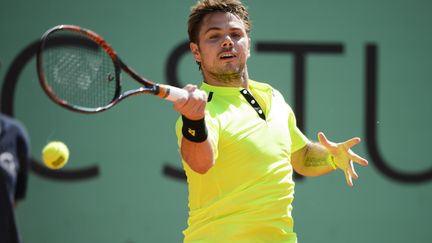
331	162
194	130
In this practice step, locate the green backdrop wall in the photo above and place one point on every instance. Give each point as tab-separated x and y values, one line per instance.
131	198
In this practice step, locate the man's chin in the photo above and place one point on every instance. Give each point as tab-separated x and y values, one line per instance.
230	70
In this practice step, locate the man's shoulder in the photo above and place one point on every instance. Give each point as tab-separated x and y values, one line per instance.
13	125
263	86
259	84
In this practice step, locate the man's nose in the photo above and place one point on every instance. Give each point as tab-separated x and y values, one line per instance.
227	42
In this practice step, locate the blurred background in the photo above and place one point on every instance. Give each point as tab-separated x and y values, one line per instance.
366	70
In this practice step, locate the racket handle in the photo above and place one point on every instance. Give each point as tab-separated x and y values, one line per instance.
173	93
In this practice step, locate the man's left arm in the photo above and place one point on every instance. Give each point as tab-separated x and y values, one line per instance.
316	159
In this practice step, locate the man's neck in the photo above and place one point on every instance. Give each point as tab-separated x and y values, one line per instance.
228	80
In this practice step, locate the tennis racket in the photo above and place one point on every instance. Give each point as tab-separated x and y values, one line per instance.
81	72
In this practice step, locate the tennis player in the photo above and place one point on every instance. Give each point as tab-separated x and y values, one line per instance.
239	141
14	167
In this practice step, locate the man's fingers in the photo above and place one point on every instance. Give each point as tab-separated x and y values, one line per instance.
352	142
178	104
323	140
197	95
190	87
359	160
352	171
194	107
348	178
199	108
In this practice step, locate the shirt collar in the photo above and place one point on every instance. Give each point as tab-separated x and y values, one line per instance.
222	90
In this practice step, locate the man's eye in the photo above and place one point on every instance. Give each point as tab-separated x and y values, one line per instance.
235	35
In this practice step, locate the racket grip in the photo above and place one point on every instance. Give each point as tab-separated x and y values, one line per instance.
174	93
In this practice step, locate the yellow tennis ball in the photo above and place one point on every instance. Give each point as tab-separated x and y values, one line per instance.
55	155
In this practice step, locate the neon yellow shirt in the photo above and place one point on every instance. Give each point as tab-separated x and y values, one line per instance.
246	196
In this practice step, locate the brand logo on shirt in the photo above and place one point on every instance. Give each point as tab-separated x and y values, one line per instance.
8	164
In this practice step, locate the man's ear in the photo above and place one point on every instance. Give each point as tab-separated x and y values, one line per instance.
195	51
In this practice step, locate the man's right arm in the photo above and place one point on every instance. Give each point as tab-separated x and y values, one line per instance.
199	155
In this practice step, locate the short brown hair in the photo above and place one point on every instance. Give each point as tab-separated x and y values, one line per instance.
204	7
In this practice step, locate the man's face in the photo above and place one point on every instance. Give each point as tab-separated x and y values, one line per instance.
223	47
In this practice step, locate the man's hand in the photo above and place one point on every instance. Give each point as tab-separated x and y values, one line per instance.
343	156
194	106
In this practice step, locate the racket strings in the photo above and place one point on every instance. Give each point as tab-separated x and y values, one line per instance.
79	71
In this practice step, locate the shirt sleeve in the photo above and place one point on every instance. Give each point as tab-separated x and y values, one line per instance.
299	140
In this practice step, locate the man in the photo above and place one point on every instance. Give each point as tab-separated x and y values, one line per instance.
14	165
239	141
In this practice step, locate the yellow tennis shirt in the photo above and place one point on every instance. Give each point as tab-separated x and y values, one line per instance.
246	196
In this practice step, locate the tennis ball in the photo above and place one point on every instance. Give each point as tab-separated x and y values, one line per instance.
55	155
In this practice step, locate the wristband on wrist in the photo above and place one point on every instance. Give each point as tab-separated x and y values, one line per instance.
194	130
331	162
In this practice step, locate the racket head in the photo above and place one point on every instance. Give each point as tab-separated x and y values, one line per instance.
78	70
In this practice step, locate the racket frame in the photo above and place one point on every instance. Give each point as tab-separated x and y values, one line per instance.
149	87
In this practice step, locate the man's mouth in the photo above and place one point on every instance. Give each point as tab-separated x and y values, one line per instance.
227	55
